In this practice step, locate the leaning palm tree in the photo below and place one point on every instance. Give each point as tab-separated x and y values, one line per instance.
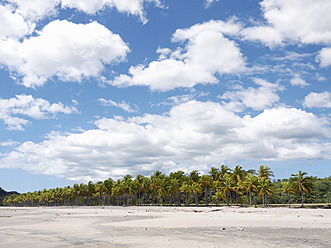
287	189
302	184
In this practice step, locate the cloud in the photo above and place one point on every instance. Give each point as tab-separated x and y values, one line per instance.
304	21
318	100
297	81
35	10
324	57
206	52
191	135
63	49
255	98
9	143
132	7
122	105
26	105
270	36
13	25
209	2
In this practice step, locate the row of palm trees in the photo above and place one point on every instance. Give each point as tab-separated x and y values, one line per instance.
220	185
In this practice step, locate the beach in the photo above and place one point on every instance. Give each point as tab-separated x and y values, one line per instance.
164	227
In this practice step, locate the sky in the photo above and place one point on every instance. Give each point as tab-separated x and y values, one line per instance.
105	88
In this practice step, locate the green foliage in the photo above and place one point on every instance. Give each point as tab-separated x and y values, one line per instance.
221	186
4	194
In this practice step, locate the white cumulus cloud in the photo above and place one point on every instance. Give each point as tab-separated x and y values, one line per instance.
132	7
256	98
298	81
12	24
12	110
324	57
318	100
192	135
206	52
63	49
35	10
304	21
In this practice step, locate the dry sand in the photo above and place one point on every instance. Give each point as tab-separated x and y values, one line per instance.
164	227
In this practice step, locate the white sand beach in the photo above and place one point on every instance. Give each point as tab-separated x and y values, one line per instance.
164	227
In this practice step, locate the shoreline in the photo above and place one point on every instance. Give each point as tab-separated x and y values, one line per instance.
154	226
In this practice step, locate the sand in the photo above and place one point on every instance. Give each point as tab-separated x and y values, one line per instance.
164	227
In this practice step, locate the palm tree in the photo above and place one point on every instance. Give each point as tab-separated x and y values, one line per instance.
287	189
240	187
251	187
194	176
186	189
138	182
224	170
264	171
227	184
214	173
206	182
238	173
265	188
302	184
195	189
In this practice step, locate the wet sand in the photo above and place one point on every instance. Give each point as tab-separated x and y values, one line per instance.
164	227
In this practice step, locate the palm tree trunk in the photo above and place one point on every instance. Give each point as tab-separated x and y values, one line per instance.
250	198
196	200
242	193
206	197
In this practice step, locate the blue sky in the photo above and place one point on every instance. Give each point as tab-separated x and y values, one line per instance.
97	89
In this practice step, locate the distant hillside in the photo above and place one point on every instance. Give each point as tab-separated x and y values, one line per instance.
4	193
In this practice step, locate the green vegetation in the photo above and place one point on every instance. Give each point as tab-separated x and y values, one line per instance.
4	193
220	187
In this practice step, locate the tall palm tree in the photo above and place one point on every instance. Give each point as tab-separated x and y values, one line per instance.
264	171
224	170
226	186
251	187
302	184
196	189
206	183
194	176
240	187
287	189
138	182
265	188
185	188
214	173
238	173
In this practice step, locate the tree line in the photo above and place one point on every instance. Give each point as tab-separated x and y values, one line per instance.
4	193
220	186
